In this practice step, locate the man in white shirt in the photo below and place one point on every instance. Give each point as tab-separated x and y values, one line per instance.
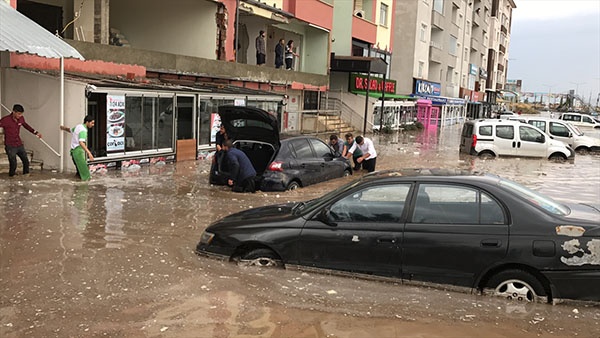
369	156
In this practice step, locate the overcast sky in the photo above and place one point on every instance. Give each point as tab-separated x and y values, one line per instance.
555	44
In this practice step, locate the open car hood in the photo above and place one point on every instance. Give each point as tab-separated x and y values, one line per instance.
249	123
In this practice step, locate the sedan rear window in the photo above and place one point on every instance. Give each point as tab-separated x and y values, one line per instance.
244	123
536	198
455	204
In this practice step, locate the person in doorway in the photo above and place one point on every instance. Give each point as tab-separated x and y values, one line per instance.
289	55
369	155
13	145
279	53
241	171
357	152
79	146
337	146
261	48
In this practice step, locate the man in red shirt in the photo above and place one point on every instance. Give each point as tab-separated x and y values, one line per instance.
12	141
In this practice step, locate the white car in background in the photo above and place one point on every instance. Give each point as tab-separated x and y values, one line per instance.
580	120
566	132
506	114
498	137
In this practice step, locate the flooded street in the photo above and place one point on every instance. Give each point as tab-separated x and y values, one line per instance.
115	257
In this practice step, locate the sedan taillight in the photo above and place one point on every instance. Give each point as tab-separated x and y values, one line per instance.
276	166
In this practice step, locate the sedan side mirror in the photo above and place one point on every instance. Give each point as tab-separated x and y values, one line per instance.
324	216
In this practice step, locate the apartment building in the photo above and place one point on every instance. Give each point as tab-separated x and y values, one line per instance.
428	60
500	25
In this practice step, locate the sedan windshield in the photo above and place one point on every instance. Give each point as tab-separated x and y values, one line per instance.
536	198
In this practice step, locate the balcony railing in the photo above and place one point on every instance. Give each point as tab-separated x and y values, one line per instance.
437	20
435	54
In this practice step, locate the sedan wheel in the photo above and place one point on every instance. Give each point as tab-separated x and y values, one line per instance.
293	185
260	257
517	285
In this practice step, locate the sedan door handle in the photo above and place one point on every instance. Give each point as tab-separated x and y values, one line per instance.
491	243
386	240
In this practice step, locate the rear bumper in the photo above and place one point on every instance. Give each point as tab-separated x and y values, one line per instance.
272	181
575	284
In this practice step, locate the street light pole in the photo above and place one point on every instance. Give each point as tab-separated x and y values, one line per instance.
549	92
577	86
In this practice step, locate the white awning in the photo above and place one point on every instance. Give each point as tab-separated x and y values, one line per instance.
20	34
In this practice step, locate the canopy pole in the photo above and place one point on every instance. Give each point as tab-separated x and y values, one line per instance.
62	113
367	101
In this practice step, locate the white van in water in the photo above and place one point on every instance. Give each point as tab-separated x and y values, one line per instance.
491	138
580	120
566	132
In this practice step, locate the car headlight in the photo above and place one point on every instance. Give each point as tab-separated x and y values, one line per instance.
206	237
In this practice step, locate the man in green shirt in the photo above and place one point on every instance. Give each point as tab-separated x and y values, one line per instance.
79	147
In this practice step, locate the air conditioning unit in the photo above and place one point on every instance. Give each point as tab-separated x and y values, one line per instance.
360	13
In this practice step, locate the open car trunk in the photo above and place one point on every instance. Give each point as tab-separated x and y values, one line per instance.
253	131
259	153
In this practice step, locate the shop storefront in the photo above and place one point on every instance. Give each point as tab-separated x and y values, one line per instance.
148	125
452	110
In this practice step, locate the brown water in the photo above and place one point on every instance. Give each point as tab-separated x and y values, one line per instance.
114	257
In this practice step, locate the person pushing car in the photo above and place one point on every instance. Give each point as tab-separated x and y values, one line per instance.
241	171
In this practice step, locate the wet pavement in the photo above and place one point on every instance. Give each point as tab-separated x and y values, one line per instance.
114	257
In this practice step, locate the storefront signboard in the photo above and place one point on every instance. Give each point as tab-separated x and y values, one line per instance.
473	69
427	88
115	122
359	83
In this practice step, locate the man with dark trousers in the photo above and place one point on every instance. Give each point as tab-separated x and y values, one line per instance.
241	171
12	140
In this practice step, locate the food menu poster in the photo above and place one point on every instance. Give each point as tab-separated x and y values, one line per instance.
215	125
115	122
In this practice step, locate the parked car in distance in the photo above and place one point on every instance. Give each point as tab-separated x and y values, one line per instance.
280	165
505	114
493	137
440	226
580	120
564	131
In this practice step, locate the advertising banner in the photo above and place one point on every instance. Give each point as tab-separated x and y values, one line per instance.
115	122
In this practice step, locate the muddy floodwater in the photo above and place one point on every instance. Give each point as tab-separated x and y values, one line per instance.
114	257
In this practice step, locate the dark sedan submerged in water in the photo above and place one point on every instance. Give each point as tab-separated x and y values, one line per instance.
440	226
280	165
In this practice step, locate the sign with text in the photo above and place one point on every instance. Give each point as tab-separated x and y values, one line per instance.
358	82
423	87
115	122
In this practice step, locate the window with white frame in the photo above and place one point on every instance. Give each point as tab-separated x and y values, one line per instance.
421	69
452	45
438	6
423	32
383	13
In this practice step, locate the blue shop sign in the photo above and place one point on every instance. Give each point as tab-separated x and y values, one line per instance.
427	88
441	100
473	69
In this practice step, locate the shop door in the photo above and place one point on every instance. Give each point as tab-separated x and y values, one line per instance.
186	142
